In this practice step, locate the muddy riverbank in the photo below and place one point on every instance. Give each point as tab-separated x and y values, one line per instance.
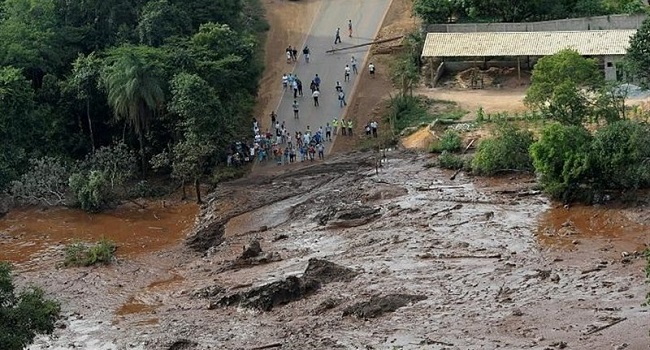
430	264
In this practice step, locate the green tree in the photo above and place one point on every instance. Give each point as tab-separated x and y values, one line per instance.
132	79
84	80
435	11
561	86
638	54
25	314
216	11
159	20
562	159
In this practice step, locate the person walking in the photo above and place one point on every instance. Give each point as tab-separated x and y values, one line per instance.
346	76
353	63
317	81
337	38
373	127
285	81
305	52
315	95
328	132
342	99
294	54
371	69
299	86
295	88
338	87
350	28
321	151
295	109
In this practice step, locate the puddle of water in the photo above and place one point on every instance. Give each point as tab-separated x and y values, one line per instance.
134	306
559	227
25	233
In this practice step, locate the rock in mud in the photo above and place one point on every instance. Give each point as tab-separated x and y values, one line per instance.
351	215
325	271
266	297
252	250
327	304
206	237
208	292
379	305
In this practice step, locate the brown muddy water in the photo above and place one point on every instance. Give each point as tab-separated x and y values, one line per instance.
25	234
566	228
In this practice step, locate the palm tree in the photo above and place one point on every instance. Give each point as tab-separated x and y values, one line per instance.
134	90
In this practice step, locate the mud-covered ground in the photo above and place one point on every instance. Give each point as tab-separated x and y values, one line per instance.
334	255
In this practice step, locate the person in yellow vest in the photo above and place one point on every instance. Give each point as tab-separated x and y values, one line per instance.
335	125
343	124
349	127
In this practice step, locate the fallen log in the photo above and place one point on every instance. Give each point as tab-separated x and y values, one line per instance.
598	329
366	44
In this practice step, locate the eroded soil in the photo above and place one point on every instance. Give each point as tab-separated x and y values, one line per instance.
406	258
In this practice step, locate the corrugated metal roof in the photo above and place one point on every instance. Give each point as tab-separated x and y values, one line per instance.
483	44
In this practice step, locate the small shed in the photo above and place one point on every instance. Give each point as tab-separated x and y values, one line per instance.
609	46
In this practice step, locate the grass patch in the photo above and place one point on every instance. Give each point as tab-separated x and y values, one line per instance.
81	254
410	111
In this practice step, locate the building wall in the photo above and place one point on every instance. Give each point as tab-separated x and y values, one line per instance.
572	24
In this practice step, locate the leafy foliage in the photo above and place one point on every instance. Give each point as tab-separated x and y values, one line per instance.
507	150
45	183
91	190
561	84
80	254
638	54
449	160
25	314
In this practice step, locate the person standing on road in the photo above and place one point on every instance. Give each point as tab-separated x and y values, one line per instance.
321	151
295	89
338	87
335	125
305	52
343	125
353	62
342	99
349	127
337	38
346	76
285	81
371	69
315	95
299	82
317	81
294	54
328	132
373	127
350	28
295	109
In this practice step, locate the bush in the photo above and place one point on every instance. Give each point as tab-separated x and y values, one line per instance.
507	150
91	190
45	183
117	163
561	158
406	110
23	315
80	254
449	160
450	142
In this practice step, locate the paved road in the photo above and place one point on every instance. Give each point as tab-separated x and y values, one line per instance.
366	16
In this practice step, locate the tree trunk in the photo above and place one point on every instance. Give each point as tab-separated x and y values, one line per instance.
197	187
90	124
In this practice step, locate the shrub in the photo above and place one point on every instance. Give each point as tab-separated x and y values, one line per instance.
449	160
406	110
451	141
80	254
45	183
91	190
507	150
561	158
116	162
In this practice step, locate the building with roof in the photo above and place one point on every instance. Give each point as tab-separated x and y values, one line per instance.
608	46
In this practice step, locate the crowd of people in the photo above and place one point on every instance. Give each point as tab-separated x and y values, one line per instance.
281	146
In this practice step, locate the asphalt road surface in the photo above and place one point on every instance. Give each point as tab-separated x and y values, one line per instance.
367	17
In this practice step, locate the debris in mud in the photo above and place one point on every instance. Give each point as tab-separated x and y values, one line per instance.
325	271
206	237
327	304
208	292
350	215
264	298
181	344
252	250
379	305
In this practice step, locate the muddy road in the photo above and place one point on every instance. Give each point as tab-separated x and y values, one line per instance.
334	255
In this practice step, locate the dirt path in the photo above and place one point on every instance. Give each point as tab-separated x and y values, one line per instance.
491	100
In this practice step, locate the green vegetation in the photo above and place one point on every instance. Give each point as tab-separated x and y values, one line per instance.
448	160
450	142
646	254
638	58
23	314
442	11
81	254
164	80
506	151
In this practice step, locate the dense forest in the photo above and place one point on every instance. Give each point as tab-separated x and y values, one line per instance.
442	11
96	93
